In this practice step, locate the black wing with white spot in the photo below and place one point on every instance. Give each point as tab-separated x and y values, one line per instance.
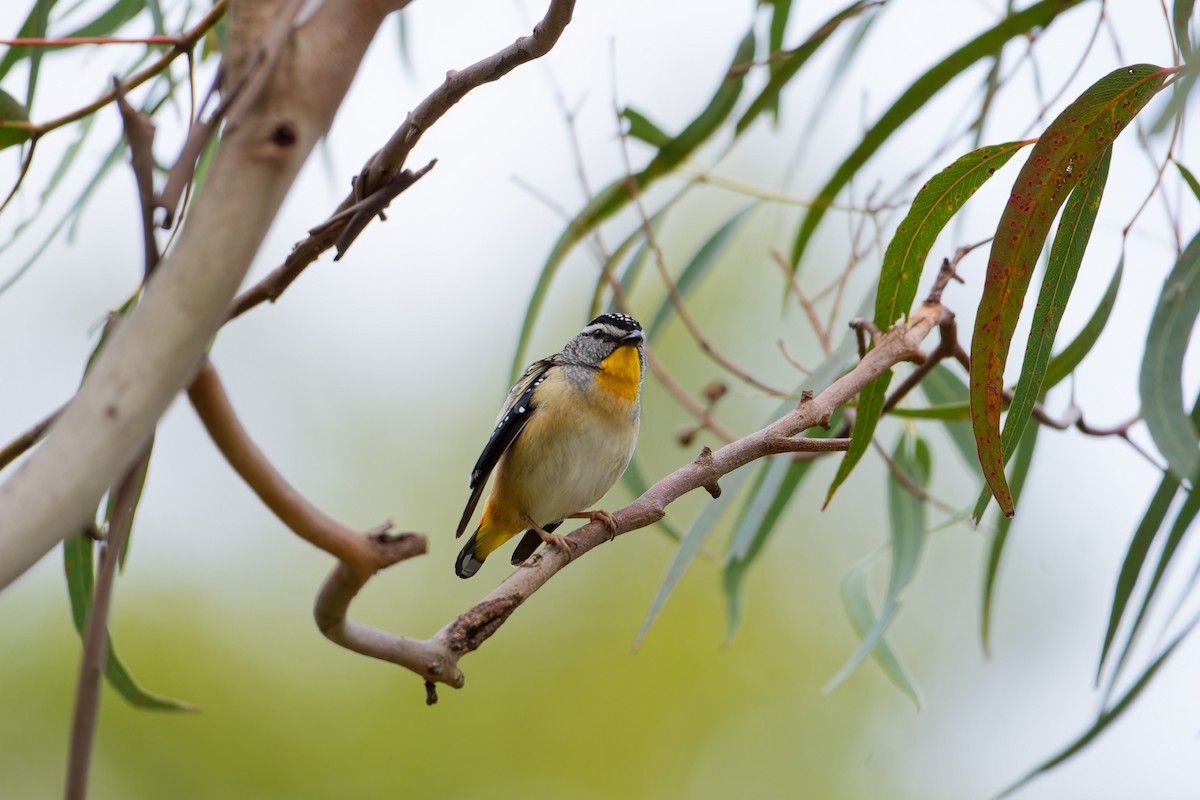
517	409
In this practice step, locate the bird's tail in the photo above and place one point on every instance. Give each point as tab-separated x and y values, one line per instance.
486	538
468	563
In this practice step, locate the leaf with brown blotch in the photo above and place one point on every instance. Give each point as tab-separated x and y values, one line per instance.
1057	163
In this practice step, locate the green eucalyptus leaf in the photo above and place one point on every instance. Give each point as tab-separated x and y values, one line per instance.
1161	382
907	516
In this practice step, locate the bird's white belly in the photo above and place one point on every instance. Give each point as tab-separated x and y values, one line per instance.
573	468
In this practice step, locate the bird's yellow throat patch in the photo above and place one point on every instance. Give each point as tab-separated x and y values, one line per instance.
621	373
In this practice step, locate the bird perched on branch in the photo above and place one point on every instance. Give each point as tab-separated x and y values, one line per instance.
564	436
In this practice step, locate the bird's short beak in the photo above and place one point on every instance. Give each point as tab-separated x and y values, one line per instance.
633	337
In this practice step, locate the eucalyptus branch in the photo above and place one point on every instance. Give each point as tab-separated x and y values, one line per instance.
161	343
95	639
387	165
437	659
363	553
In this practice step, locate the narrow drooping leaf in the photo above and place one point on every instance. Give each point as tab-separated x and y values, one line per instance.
830	78
1018	473
78	562
641	128
1065	362
870	408
780	484
837	362
1106	717
79	565
698	268
856	599
107	23
907	518
1189	179
11	110
1161	381
1062	268
691	545
1135	558
1058	162
1181	17
156	14
945	389
41	30
34	27
783	69
937	202
1187	514
614	197
1012	26
780	11
769	498
138	485
762	494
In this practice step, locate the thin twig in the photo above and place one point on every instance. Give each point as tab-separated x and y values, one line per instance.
25	165
186	42
910	486
14	449
201	131
389	160
95	641
76	41
139	133
791	359
436	659
664	376
806	303
673	291
387	163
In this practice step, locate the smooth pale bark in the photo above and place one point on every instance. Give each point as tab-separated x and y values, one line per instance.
158	349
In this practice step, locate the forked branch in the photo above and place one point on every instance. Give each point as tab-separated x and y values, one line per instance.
436	659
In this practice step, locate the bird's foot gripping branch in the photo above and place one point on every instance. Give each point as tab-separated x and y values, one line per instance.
436	659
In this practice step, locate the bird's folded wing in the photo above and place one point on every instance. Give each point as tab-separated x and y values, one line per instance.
513	417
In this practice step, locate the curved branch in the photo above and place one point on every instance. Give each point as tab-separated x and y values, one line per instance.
160	346
363	553
436	659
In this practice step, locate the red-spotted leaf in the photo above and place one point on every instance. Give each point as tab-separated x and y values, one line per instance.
937	202
1062	268
1058	162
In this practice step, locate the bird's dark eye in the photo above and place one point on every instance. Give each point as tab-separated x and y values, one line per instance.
597	335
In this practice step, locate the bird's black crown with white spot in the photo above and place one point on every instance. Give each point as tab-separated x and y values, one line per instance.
623	321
